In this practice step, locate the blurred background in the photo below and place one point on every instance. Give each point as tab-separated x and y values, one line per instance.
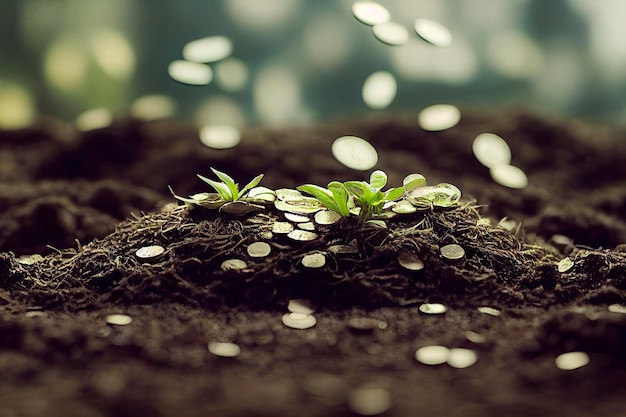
297	62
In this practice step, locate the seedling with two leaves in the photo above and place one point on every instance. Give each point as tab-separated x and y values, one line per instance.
228	197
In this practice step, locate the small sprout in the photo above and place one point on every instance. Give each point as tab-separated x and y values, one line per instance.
490	311
301	306
432	355
461	358
259	249
412	181
118	319
410	261
228	197
314	260
335	197
300	321
369	198
571	360
224	350
432	308
326	217
310	226
302	235
233	264
452	252
565	265
149	252
282	228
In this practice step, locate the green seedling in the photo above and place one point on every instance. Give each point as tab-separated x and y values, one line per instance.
335	197
369	198
228	197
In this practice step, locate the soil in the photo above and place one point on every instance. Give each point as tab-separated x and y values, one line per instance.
88	201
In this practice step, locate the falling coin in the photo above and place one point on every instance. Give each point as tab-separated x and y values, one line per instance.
300	306
225	350
299	321
432	308
118	319
462	358
571	360
432	355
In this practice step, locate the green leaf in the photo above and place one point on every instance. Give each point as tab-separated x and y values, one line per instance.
322	194
394	193
413	181
378	179
255	181
341	197
222	189
229	181
356	188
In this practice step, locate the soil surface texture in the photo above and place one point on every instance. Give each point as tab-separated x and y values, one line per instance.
236	316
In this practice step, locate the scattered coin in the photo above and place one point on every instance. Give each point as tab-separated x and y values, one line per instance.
432	308
565	265
410	261
439	117
571	360
617	308
225	350
462	358
302	235
118	319
326	217
432	355
259	249
491	150
391	33
509	176
489	310
296	218
282	228
148	252
192	73
475	337
299	321
370	13
233	264
343	249
370	401
452	252
355	153
433	32
310	226
403	207
209	49
301	306
219	136
379	90
314	260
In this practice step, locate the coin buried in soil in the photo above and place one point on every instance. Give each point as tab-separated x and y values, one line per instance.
452	252
302	235
299	321
233	264
225	350
118	319
432	355
432	308
410	261
259	249
314	260
149	252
